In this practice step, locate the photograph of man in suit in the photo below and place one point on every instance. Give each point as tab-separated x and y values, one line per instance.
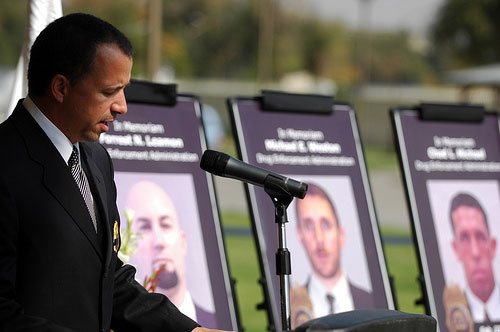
162	247
59	269
321	234
475	248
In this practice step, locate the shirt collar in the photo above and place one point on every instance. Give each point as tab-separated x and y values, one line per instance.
56	136
187	307
478	307
341	293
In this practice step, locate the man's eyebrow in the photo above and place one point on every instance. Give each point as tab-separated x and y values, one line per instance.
118	86
165	217
143	219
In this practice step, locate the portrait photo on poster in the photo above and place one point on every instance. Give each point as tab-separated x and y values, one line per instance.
167	240
466	218
323	235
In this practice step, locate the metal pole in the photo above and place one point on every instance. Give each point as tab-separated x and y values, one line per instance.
266	41
283	267
154	38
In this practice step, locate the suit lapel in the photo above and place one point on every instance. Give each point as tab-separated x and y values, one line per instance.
96	180
57	176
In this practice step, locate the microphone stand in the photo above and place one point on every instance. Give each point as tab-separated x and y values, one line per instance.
281	197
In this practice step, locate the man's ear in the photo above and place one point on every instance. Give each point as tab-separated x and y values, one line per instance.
298	233
59	87
493	246
454	245
184	243
341	237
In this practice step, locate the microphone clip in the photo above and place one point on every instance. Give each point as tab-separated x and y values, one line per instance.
277	189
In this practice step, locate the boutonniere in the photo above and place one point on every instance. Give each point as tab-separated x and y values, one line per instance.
127	242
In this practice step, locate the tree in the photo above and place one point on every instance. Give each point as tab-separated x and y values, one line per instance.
211	38
129	16
466	33
13	16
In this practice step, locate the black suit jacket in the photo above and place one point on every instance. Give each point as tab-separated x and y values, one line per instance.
361	298
56	273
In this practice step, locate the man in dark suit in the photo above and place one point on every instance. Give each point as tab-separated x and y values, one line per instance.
319	231
59	269
162	248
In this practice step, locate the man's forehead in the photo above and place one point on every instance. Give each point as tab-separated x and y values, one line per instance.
470	217
315	204
316	207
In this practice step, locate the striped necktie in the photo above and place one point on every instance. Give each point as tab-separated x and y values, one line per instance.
486	317
82	182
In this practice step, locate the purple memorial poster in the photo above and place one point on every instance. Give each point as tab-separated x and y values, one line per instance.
170	229
452	174
337	260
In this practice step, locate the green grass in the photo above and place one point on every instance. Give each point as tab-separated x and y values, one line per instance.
243	264
244	267
402	265
380	158
235	219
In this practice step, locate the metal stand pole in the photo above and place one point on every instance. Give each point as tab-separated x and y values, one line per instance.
281	199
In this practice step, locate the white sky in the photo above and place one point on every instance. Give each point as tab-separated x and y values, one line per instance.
413	15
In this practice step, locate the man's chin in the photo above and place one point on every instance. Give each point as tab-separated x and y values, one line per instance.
480	277
167	280
325	274
91	137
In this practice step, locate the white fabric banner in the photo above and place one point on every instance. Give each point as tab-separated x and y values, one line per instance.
40	14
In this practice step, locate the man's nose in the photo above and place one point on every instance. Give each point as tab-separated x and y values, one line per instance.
319	236
475	248
158	242
120	104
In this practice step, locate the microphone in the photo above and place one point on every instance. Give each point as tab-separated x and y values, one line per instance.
221	164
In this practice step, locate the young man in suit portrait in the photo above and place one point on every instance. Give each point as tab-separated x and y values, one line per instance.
162	247
59	269
321	234
475	248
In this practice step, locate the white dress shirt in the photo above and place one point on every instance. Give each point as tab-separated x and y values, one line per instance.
340	292
187	307
60	141
478	307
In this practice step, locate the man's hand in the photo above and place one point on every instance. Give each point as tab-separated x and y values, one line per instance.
202	329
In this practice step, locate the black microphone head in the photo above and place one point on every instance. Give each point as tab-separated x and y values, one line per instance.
214	162
302	190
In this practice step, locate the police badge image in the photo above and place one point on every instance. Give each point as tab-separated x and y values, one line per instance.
301	306
458	316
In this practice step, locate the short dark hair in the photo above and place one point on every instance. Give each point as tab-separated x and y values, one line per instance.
68	46
465	199
315	190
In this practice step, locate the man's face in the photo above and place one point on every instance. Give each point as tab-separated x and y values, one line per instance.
320	235
162	243
92	103
474	248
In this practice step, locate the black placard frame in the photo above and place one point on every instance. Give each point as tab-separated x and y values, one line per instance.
431	277
265	259
151	97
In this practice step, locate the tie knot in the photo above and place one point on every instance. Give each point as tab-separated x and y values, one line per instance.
73	159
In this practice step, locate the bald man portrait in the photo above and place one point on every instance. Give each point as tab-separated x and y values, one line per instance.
162	247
